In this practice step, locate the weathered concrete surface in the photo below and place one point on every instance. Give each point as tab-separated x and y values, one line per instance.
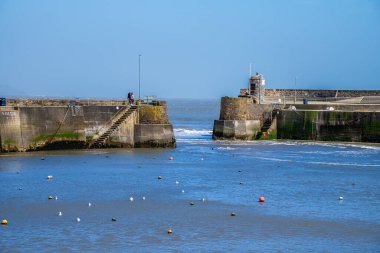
337	107
236	129
243	108
329	126
124	137
154	135
310	93
242	119
26	128
154	114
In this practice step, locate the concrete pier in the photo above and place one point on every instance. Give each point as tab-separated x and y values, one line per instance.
352	117
27	125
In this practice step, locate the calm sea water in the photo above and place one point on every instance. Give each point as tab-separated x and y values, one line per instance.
301	183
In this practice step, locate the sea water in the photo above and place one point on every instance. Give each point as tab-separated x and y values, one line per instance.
300	181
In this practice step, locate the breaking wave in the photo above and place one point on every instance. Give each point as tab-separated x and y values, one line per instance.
192	132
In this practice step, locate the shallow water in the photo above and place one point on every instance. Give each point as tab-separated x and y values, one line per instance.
301	182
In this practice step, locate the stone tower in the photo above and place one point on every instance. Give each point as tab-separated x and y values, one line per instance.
257	88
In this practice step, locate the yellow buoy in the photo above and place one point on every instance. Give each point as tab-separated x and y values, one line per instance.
170	231
4	222
50	197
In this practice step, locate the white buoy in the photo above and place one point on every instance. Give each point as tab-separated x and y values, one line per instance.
340	198
143	198
78	219
203	200
89	204
202	159
176	182
131	199
56	197
60	213
183	191
50	177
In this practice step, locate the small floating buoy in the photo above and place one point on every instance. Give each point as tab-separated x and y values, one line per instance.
203	199
131	199
192	203
20	189
78	219
171	158
202	159
56	198
4	222
170	231
50	197
183	191
340	198
159	177
143	198
113	219
232	214
60	213
261	199
50	177
176	182
89	204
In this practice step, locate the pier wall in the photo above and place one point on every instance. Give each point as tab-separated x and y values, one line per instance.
329	126
35	127
242	119
310	93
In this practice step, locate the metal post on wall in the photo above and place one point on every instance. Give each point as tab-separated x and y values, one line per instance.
295	92
138	106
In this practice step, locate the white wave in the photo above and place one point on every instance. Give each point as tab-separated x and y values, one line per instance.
192	132
273	159
224	148
345	164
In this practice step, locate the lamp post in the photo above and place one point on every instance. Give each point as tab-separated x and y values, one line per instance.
295	91
139	77
138	107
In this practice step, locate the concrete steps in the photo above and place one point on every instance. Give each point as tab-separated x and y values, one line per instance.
266	126
100	141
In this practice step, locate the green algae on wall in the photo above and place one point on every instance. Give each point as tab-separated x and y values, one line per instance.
297	125
60	136
153	115
329	126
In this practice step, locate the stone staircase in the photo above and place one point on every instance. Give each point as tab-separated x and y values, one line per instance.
100	141
266	126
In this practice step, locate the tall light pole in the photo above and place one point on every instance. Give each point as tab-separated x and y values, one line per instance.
138	107
295	92
139	77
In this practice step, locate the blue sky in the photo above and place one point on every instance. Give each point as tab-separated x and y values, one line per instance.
189	49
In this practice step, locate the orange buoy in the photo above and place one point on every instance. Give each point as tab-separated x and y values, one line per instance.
171	158
261	199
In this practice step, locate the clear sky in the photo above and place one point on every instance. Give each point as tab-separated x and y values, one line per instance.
78	48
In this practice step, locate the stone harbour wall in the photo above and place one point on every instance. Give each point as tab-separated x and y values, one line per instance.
241	119
27	128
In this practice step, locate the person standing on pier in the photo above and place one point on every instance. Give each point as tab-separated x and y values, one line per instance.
131	97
